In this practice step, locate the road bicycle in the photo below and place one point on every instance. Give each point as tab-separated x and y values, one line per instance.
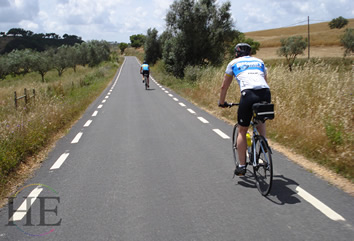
258	150
145	81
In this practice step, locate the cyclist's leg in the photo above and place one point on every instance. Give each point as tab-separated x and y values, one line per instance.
242	144
263	95
244	115
261	127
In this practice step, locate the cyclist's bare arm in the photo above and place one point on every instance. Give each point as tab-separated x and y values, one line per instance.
224	87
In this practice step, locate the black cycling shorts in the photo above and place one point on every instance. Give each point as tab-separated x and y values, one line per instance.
146	72
248	98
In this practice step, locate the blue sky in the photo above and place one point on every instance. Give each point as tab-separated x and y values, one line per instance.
116	20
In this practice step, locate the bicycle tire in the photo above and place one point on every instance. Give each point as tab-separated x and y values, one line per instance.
146	85
263	171
234	145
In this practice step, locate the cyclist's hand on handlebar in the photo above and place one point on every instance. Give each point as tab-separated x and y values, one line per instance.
225	105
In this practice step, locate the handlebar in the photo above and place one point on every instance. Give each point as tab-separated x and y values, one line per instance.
233	104
228	105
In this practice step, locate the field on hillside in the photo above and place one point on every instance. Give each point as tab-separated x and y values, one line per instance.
315	52
320	34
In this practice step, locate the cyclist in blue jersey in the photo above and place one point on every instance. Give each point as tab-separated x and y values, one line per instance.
251	75
145	70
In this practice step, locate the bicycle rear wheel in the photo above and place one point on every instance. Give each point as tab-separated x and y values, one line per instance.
146	84
263	171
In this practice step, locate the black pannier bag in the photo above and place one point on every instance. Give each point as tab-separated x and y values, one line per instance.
263	111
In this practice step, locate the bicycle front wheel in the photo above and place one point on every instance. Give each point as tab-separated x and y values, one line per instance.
263	171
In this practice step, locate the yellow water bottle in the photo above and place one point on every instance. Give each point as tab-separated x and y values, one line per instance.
249	141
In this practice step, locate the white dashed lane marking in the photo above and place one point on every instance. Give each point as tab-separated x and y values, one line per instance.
88	123
22	210
77	138
95	113
203	120
222	134
60	161
191	111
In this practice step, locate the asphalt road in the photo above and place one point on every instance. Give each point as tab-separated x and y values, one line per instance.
149	165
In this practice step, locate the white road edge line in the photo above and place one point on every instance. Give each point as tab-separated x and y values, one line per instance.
88	123
60	161
95	113
319	205
203	120
77	138
175	99
100	106
22	210
222	134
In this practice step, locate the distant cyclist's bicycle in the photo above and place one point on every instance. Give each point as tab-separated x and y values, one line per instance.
259	152
145	81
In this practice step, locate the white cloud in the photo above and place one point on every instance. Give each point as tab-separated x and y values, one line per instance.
116	20
29	25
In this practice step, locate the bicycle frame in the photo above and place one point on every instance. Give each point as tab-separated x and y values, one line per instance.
253	147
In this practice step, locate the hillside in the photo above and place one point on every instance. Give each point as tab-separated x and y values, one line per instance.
320	34
7	44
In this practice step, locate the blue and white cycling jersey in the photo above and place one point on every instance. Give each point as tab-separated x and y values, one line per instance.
249	71
145	67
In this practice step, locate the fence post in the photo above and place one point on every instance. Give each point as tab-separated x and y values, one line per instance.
15	100
25	96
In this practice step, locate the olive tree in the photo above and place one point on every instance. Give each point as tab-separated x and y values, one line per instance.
43	63
347	40
292	47
196	33
339	22
152	46
122	47
4	68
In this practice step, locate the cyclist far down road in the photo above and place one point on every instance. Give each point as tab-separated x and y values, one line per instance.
145	70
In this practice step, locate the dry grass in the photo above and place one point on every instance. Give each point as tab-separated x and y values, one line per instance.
314	109
58	102
313	104
320	34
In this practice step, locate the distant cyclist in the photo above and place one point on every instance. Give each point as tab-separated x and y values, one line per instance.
145	70
251	75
